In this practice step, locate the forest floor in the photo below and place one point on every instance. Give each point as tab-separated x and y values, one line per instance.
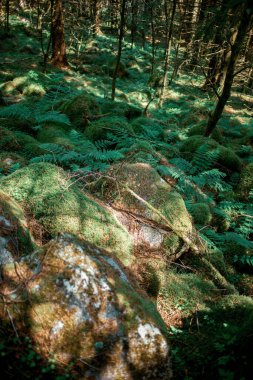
206	303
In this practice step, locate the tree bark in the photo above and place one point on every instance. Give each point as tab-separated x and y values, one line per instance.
59	56
241	29
167	50
121	35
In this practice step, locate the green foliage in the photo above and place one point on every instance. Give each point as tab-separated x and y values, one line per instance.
98	130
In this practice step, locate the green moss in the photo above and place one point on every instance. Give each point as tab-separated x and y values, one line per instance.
20	82
183	291
80	109
201	213
34	89
246	181
210	268
150	280
99	129
127	297
229	159
60	206
171	243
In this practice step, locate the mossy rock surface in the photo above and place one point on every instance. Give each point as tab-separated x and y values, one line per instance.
141	191
227	159
15	238
98	130
60	206
80	109
146	183
83	307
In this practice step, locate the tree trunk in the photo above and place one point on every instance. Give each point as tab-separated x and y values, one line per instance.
167	50
95	17
59	57
134	14
240	32
121	35
7	15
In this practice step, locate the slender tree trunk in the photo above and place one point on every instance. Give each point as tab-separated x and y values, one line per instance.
167	51
241	30
121	35
59	57
194	45
153	39
134	13
7	15
95	17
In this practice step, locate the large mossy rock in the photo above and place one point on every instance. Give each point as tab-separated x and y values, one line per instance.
83	309
15	238
60	206
153	213
226	159
80	109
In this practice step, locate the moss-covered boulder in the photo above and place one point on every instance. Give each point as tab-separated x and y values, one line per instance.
201	213
98	130
227	159
138	190
84	309
246	181
15	238
81	109
60	206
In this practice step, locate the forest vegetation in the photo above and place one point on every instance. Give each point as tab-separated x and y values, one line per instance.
126	189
